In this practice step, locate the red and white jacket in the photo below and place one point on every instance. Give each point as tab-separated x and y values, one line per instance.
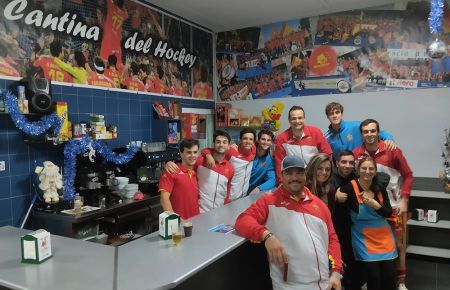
395	165
242	161
214	184
311	143
306	232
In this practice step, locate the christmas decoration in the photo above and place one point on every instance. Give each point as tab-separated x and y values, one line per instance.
76	147
31	128
437	48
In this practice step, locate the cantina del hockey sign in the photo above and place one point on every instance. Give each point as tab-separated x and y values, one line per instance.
68	23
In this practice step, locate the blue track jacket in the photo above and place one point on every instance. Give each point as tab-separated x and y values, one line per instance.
348	137
263	173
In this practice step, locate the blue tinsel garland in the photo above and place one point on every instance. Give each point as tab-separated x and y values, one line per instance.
31	128
435	18
76	147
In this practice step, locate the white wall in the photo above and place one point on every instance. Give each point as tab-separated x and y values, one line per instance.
417	119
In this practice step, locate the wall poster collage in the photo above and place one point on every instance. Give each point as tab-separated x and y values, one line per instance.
111	43
354	51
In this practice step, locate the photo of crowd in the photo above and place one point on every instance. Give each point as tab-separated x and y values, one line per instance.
107	61
287	37
240	40
226	66
369	48
236	92
300	64
264	86
246	61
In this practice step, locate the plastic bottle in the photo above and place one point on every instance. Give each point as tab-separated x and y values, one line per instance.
77	203
102	203
2	105
20	97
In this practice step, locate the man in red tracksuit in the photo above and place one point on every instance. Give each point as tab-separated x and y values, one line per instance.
300	140
297	231
242	161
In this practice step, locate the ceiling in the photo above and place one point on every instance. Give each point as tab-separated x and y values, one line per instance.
225	15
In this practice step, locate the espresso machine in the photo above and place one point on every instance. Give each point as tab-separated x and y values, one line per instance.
149	174
90	180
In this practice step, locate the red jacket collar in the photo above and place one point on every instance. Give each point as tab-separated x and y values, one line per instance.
306	132
381	147
224	160
288	194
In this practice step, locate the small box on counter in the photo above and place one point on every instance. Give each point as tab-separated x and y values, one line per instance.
418	214
105	135
36	247
432	216
168	221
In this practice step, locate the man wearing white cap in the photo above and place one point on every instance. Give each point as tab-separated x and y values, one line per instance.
296	229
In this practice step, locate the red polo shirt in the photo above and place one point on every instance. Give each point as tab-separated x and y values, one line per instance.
183	188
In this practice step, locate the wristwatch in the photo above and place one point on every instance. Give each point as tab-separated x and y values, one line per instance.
267	236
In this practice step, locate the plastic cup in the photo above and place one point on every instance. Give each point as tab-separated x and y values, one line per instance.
187	229
176	237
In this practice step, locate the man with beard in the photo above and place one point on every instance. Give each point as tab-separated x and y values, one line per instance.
345	165
297	231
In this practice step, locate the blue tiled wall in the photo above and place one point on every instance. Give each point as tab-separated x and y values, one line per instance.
131	112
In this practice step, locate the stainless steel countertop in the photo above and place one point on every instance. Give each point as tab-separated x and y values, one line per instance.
146	263
153	263
75	264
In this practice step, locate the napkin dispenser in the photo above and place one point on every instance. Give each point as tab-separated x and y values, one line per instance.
36	247
168	222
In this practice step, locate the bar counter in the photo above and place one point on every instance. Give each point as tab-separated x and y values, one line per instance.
146	263
75	264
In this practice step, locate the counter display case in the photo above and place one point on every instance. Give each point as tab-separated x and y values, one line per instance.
427	238
139	217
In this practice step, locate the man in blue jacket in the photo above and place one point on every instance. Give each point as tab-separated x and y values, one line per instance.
345	135
262	177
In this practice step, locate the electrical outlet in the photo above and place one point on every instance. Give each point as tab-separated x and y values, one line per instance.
2	165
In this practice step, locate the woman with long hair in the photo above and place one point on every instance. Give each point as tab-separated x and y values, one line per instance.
318	178
372	238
